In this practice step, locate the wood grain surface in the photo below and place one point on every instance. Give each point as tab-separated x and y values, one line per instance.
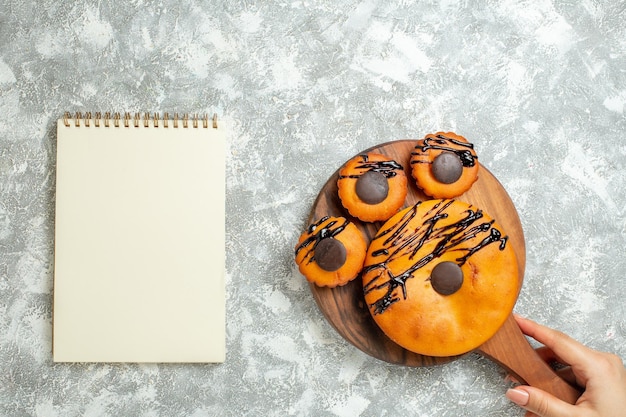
345	309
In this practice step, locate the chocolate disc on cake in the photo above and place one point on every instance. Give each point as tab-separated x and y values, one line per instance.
372	187
446	278
330	254
447	168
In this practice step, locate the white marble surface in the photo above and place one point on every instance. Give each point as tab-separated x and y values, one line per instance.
538	86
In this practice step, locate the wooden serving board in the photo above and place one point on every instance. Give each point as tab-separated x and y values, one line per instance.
344	307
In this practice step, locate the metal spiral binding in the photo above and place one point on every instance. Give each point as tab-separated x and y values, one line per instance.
135	120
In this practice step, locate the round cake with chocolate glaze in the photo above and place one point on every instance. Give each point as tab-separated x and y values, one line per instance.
444	165
372	187
440	278
331	252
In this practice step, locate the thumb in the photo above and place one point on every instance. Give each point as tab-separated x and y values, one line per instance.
540	402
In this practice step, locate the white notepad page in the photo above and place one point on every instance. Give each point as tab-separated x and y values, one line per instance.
139	243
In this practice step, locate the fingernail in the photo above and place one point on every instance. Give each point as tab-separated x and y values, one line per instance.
511	379
518	396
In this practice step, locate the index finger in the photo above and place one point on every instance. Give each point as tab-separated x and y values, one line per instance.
567	349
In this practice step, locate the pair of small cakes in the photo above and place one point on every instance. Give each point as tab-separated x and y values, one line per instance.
439	278
373	187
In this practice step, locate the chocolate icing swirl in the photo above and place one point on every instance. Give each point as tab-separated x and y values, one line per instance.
399	241
387	168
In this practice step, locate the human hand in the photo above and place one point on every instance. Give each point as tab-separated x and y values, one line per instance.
601	375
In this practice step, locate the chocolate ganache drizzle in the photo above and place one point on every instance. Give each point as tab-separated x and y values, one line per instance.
462	149
387	168
317	233
400	241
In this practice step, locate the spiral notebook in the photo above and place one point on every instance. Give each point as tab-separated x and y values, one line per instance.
139	239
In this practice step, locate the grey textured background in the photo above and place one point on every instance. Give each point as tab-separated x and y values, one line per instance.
538	86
